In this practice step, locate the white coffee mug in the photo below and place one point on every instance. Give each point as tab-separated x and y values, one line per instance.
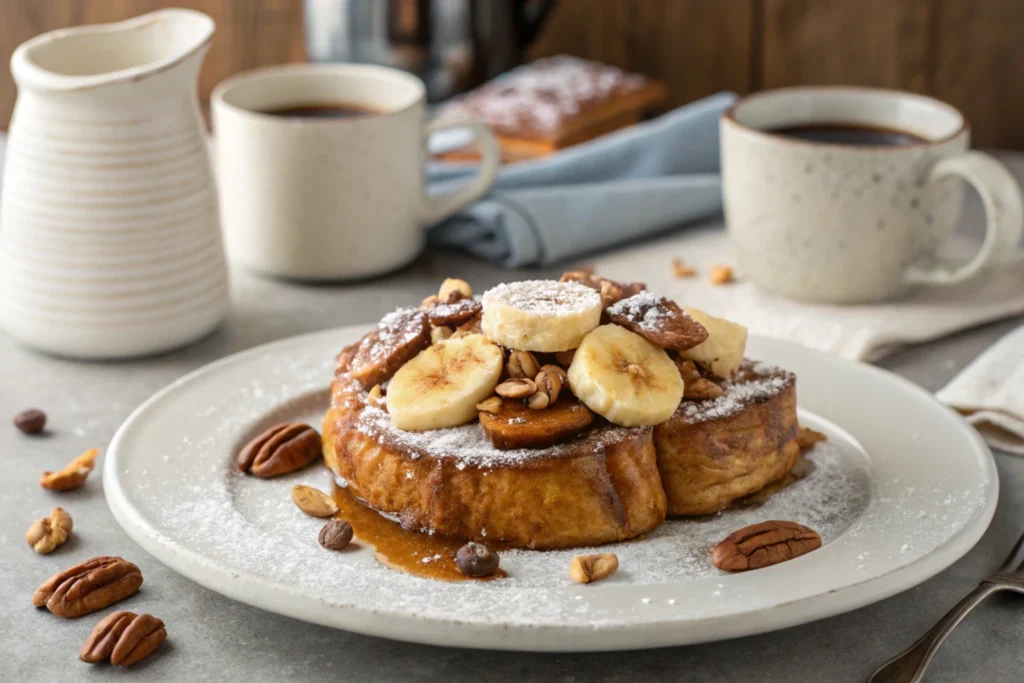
330	198
847	223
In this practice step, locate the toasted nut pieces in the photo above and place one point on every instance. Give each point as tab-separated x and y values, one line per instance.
590	568
549	383
88	587
48	533
680	269
73	475
491	405
720	274
806	438
430	301
124	637
31	421
375	397
538	401
336	535
439	334
313	502
764	544
279	450
476	559
454	286
522	364
517	387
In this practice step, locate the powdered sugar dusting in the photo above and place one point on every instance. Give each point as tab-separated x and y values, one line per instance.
544	297
543	95
755	383
647	310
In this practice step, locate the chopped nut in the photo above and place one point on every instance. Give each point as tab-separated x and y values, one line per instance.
376	397
720	274
491	405
517	387
73	475
610	293
680	269
31	421
695	385
335	535
806	438
281	449
430	302
124	637
313	502
440	334
523	364
89	586
590	568
48	533
471	326
549	383
476	559
454	286
538	401
558	370
565	357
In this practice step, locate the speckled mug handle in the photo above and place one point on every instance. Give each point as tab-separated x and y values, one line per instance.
1003	210
438	207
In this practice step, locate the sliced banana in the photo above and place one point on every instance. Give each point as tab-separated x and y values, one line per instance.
723	350
625	378
540	315
442	385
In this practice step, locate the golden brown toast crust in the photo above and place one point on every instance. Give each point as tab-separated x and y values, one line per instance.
602	487
712	452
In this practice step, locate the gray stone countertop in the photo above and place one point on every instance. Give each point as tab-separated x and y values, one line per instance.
212	638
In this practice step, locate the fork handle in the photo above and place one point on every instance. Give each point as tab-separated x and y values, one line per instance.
909	665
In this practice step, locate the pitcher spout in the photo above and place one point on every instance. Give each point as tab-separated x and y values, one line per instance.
97	55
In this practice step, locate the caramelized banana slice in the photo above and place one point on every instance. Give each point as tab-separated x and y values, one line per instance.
398	338
516	425
658	320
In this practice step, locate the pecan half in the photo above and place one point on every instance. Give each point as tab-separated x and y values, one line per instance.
764	544
89	586
48	533
101	641
124	637
73	475
281	449
590	568
659	320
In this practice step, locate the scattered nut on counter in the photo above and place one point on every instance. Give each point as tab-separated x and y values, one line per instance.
73	475
720	274
48	533
125	638
31	421
88	587
590	568
680	269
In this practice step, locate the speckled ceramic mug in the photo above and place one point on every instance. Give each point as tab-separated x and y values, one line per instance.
330	198
846	223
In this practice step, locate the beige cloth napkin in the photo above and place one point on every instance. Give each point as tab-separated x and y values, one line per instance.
862	332
990	393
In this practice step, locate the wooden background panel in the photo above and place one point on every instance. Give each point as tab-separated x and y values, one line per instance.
980	67
883	43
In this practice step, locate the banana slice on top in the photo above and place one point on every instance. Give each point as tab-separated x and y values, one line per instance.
625	378
723	350
540	315
441	386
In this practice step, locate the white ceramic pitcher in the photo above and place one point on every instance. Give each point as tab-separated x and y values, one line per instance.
110	244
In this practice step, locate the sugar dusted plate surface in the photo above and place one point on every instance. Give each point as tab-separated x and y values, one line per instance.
903	488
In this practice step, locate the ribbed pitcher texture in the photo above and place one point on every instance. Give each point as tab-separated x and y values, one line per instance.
110	244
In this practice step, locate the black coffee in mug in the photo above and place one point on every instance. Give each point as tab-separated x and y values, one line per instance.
849	134
344	110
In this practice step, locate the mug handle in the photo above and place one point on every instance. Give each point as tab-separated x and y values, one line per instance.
1003	212
439	207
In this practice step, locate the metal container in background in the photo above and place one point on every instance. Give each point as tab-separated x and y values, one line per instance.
453	45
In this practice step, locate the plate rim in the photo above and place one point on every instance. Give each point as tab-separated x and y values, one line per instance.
451	632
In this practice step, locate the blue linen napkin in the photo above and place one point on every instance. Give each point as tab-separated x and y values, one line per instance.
617	188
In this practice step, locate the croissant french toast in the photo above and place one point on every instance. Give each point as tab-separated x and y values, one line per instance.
555	414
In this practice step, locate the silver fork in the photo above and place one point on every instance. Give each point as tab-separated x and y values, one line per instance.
909	665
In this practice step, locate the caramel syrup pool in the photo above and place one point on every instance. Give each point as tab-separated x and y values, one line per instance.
420	554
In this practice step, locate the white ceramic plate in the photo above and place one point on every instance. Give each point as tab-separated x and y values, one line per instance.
902	490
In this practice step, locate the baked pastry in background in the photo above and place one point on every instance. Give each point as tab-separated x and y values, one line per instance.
555	102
